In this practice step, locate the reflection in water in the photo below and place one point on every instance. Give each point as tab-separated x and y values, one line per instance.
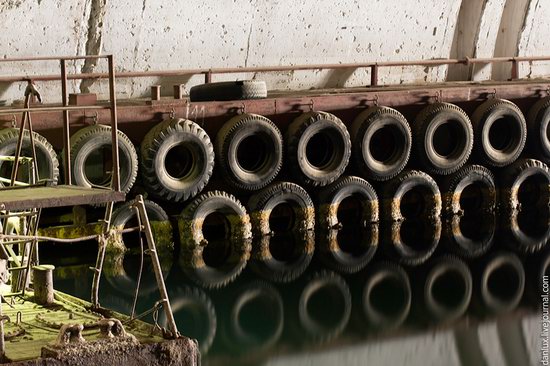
282	257
526	231
444	289
386	297
349	250
500	282
469	236
306	308
412	241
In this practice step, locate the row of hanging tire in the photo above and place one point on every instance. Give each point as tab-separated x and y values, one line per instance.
177	155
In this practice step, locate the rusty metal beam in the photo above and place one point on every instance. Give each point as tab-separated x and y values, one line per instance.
209	72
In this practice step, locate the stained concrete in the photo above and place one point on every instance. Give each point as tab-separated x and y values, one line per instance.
153	34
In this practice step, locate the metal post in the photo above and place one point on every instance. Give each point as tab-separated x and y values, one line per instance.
208	77
515	69
156	265
66	122
15	167
374	75
114	124
102	242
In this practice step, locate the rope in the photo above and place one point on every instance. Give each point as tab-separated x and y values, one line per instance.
136	293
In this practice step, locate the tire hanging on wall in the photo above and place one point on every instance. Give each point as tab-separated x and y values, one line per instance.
455	193
500	132
319	148
238	236
229	90
386	296
525	185
256	167
406	182
177	159
538	127
346	257
381	141
267	258
443	138
90	139
48	164
125	214
333	195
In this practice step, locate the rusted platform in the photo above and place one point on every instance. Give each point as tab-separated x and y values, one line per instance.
22	198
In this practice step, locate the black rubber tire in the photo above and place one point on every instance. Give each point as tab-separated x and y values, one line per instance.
124	213
386	296
285	270
195	312
397	133
513	180
194	173
538	127
447	300
91	138
469	236
525	232
269	152
48	164
337	149
511	279
264	304
311	326
454	186
428	121
398	248
229	90
332	196
238	236
262	203
343	261
405	182
484	118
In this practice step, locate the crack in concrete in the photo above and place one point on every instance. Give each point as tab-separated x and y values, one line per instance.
248	46
94	40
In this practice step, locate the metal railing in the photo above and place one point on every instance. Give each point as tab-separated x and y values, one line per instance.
65	108
208	73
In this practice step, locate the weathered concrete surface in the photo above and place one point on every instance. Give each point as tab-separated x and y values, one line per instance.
152	34
115	352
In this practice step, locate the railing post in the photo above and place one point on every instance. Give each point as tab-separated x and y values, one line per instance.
66	124
515	69
374	75
114	124
208	77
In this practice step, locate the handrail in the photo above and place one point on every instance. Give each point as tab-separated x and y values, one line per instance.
208	72
65	108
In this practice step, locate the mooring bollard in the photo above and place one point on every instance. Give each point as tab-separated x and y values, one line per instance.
43	284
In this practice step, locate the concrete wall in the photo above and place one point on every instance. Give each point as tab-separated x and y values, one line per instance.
171	34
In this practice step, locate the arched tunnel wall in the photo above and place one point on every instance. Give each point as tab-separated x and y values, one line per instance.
161	35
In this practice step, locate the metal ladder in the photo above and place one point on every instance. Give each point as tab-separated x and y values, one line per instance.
144	226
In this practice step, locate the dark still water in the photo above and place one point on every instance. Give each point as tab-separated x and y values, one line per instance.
462	291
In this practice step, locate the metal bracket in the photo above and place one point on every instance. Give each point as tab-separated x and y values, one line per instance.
364	102
241	109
